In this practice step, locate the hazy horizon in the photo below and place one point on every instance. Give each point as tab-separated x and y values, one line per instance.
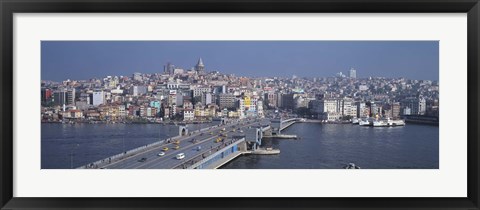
81	60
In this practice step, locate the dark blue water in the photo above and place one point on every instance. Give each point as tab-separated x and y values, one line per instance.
74	145
322	146
331	146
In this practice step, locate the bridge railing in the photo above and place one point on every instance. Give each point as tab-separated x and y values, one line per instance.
291	119
289	122
225	148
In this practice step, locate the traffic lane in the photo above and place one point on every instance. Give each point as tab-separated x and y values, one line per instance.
132	160
197	155
170	162
123	162
163	161
189	151
189	155
186	146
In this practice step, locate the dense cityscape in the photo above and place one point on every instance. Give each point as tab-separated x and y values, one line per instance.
196	95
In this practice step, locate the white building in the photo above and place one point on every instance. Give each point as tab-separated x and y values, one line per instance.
326	105
362	109
178	71
137	76
353	73
188	115
173	85
407	111
345	107
149	112
326	109
98	98
260	109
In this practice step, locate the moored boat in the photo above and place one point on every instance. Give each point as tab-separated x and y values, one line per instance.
355	121
365	122
380	123
388	123
396	122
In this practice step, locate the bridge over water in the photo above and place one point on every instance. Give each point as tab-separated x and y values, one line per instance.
202	148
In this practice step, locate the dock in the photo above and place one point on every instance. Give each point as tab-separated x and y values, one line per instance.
282	136
266	151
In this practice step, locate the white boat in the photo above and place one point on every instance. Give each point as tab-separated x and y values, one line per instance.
380	123
355	121
388	123
365	122
396	122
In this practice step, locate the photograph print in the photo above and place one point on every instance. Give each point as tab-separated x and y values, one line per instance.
240	105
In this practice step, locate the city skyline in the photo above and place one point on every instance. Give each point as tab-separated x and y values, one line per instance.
80	60
200	115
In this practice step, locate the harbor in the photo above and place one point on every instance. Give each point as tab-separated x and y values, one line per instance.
320	146
332	146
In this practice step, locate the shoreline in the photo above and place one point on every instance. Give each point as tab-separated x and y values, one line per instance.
122	122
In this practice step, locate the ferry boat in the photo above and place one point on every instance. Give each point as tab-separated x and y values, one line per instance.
396	122
388	123
380	123
365	122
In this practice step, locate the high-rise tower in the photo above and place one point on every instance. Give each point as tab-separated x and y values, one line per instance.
353	73
200	68
168	69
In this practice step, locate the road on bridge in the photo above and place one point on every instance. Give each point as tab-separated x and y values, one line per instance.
205	139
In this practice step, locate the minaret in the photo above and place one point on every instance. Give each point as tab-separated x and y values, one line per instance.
200	68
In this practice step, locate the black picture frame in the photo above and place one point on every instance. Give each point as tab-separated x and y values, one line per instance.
9	7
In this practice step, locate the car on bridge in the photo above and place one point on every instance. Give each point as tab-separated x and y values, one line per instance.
180	156
177	142
176	147
165	149
143	159
161	154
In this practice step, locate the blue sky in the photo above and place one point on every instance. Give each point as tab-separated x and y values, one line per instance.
77	60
